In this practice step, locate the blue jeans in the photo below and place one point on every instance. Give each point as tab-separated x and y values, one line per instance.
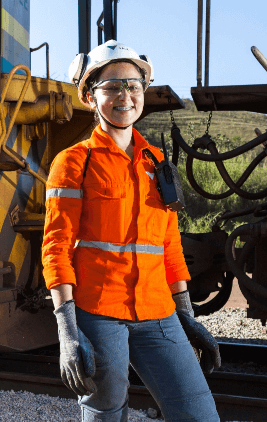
162	356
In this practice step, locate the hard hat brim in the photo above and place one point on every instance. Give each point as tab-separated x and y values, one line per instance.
140	63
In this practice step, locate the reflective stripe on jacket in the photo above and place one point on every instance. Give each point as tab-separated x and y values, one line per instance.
110	235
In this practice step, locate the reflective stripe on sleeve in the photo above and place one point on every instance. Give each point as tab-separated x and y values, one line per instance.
64	193
130	247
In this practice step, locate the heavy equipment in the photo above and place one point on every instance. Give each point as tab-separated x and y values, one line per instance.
40	117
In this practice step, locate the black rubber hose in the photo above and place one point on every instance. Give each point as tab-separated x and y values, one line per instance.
177	137
219	300
232	185
232	214
246	250
241	180
261	210
175	153
246	229
251	299
197	188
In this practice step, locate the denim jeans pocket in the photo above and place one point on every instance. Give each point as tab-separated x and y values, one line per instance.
172	329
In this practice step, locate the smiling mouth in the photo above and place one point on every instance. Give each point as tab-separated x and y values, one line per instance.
123	108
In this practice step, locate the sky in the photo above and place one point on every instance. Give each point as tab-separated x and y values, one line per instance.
166	31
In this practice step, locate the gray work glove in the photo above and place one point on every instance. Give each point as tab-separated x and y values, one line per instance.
77	363
197	334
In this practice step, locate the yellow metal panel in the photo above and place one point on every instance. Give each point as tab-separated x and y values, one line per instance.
9	183
18	253
37	87
20	247
9	180
15	29
8	187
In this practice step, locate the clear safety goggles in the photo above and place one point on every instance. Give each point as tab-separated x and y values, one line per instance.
113	87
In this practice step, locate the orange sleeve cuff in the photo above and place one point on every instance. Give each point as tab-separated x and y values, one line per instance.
55	276
173	276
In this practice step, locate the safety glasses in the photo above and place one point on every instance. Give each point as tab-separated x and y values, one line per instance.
113	87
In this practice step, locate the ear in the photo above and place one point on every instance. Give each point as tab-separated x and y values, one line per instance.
90	100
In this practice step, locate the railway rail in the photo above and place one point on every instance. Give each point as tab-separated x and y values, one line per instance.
238	396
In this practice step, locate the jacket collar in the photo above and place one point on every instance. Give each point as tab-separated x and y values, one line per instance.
101	139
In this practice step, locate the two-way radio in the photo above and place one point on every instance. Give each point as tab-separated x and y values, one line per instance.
168	181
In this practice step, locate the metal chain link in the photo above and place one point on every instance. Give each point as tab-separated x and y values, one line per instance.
208	123
173	121
171	111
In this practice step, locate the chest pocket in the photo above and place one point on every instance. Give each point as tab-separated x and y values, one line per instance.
104	213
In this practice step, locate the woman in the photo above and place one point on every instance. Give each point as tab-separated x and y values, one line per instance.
112	258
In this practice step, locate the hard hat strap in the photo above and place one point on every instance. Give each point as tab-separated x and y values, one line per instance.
105	120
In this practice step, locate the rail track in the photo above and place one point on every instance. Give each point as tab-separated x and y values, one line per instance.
238	396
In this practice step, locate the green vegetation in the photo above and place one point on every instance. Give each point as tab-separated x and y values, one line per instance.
237	126
229	130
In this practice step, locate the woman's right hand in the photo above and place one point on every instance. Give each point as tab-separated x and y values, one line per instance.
77	363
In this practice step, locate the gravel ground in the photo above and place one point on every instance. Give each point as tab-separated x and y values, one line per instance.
21	406
231	325
227	324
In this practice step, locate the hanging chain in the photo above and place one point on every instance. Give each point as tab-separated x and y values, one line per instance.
171	112
208	123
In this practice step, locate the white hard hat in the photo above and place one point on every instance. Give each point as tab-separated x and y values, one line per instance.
85	65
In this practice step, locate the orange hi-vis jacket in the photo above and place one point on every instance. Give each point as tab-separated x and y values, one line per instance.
109	234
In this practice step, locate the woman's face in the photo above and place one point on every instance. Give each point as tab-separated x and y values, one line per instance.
123	109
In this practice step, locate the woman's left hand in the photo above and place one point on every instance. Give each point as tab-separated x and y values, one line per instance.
197	334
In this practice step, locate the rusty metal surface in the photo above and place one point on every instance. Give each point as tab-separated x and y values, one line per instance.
156	99
22	330
25	221
231	97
